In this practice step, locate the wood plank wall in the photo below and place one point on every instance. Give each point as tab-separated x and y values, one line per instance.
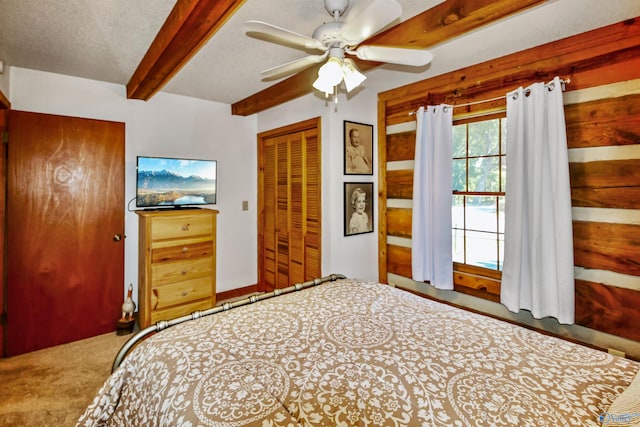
602	109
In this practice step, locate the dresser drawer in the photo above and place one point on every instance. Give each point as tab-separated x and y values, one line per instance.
181	293
181	226
181	252
170	272
181	310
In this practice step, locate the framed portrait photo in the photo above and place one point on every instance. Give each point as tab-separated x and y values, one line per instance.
358	208
358	148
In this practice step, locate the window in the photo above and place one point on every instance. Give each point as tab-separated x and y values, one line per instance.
479	173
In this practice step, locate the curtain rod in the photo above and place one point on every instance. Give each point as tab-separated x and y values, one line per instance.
563	82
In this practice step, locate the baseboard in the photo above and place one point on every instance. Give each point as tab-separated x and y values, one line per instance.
239	292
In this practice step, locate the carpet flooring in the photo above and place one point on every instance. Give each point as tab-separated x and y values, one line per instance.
53	386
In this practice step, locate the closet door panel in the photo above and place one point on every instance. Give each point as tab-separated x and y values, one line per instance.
268	231
298	207
282	212
289	205
312	218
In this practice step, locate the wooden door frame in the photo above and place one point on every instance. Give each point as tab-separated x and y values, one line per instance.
5	105
314	123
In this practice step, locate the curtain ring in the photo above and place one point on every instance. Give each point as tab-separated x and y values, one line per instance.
563	83
550	86
444	109
514	96
527	92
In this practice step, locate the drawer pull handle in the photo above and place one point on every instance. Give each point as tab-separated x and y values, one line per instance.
184	272
185	227
184	293
185	249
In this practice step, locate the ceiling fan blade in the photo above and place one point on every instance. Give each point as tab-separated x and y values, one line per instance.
361	24
395	55
277	34
293	66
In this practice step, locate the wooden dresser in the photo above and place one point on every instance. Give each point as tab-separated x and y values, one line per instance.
177	263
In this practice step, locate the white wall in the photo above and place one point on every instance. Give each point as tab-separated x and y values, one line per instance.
354	256
166	125
171	125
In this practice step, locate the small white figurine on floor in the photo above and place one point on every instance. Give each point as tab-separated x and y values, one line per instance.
128	307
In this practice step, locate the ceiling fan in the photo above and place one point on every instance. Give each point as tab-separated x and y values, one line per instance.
337	39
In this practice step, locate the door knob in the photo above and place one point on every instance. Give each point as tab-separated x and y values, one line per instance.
117	237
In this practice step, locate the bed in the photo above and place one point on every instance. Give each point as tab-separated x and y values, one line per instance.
357	353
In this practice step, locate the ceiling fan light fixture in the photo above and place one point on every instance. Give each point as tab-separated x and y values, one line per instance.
331	71
334	71
322	85
329	75
352	76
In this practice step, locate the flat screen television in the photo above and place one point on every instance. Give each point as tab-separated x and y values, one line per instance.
164	182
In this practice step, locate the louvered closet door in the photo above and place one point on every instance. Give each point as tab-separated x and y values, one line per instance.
312	204
282	212
289	205
267	222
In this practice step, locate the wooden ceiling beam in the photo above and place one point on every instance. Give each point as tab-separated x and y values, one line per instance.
188	27
443	22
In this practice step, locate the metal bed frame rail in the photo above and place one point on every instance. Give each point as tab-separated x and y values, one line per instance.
164	324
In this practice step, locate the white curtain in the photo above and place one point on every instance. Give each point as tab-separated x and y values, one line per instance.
538	262
431	256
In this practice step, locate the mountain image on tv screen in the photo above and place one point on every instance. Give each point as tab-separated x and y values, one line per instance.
175	182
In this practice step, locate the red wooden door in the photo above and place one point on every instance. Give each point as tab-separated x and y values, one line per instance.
65	229
4	118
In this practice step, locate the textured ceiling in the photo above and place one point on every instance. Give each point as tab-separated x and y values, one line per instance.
106	39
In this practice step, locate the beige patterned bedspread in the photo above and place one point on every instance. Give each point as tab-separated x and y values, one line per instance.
353	353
